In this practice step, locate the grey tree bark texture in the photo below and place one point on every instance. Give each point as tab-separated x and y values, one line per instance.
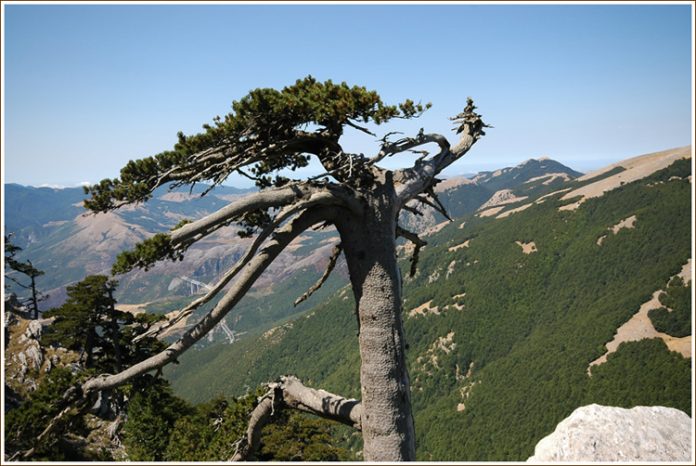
369	248
364	206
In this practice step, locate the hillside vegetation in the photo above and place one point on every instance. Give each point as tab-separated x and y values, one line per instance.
512	303
504	357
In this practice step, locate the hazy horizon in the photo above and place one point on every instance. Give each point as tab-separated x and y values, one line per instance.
464	169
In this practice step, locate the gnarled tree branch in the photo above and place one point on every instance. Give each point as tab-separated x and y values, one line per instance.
412	181
269	198
251	272
325	198
291	393
406	144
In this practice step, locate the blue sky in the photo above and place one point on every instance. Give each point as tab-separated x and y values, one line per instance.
88	88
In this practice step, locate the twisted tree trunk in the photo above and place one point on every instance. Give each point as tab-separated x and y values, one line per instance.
369	246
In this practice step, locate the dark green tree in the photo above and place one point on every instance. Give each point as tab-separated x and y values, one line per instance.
85	322
674	318
25	423
89	322
298	437
212	431
152	412
25	268
271	130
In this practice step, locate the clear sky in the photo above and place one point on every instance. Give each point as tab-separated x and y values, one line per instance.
86	88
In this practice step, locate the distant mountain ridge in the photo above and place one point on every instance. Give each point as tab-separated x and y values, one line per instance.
465	195
60	238
66	241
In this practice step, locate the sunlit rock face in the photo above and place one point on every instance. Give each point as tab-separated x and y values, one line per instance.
602	434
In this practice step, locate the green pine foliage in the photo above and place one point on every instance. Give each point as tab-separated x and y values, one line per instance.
642	373
264	121
25	268
147	253
152	412
163	427
675	317
300	437
209	432
89	323
80	322
24	423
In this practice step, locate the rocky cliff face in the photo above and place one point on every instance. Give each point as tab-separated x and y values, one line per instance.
602	433
26	361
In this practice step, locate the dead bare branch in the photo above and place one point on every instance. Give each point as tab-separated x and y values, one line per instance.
360	128
431	192
335	253
412	181
435	204
418	244
413	210
408	143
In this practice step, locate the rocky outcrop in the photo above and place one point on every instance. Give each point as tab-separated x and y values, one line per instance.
601	433
25	359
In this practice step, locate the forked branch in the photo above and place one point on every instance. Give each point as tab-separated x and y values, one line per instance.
415	180
318	198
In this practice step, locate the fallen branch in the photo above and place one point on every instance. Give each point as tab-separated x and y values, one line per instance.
291	393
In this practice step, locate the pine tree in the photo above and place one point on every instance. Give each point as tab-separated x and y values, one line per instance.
25	268
88	323
271	130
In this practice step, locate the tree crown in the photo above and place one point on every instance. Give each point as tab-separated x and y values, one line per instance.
267	130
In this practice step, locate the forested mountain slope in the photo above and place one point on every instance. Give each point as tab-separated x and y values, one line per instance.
67	243
504	318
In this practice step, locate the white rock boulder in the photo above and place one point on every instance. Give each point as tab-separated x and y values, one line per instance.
603	434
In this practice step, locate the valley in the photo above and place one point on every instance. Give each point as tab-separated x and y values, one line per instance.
534	281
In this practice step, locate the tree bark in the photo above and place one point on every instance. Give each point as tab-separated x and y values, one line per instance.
115	331
34	297
370	250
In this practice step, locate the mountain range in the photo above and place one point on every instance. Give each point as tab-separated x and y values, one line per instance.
532	301
67	243
522	310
